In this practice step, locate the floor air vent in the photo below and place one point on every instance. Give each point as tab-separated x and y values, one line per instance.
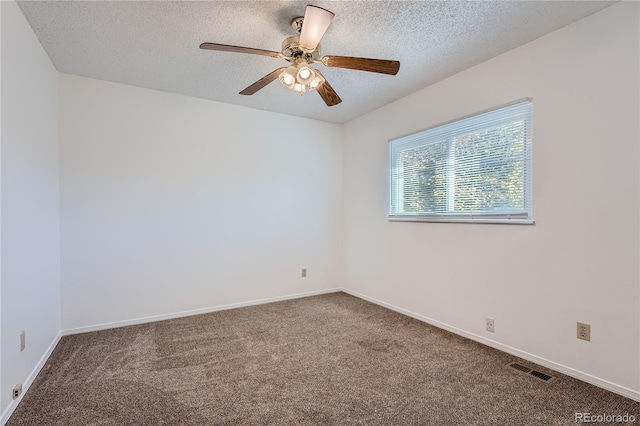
535	373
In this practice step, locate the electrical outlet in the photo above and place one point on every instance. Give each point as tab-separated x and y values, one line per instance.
303	274
23	339
17	390
490	325
584	331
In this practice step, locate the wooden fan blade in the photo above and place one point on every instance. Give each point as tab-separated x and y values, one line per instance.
315	23
328	94
239	49
382	66
262	82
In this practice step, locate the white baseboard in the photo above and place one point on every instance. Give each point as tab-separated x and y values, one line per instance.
620	390
27	383
136	321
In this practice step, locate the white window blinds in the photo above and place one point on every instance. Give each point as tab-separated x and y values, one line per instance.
473	169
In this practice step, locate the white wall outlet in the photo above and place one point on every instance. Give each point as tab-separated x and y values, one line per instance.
23	341
584	331
490	325
303	274
17	390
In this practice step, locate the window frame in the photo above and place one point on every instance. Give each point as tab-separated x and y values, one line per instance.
496	217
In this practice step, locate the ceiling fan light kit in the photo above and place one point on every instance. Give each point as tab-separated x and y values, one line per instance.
302	51
301	78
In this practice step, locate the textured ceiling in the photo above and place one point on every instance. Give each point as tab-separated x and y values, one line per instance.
154	44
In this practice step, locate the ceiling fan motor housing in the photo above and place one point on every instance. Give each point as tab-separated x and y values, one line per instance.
293	52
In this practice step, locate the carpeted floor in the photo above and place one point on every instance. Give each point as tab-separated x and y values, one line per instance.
331	359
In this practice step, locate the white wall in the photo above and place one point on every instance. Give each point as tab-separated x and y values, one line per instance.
171	203
30	209
580	262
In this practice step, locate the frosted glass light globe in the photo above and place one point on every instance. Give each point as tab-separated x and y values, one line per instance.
305	73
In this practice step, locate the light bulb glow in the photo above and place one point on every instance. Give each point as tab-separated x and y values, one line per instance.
305	73
287	79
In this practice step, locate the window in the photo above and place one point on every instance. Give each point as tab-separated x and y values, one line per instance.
476	169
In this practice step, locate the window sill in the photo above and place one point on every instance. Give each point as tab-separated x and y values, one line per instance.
500	221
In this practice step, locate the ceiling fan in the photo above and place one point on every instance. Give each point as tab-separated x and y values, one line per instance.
302	51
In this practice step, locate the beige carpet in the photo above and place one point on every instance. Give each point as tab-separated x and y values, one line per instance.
331	359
